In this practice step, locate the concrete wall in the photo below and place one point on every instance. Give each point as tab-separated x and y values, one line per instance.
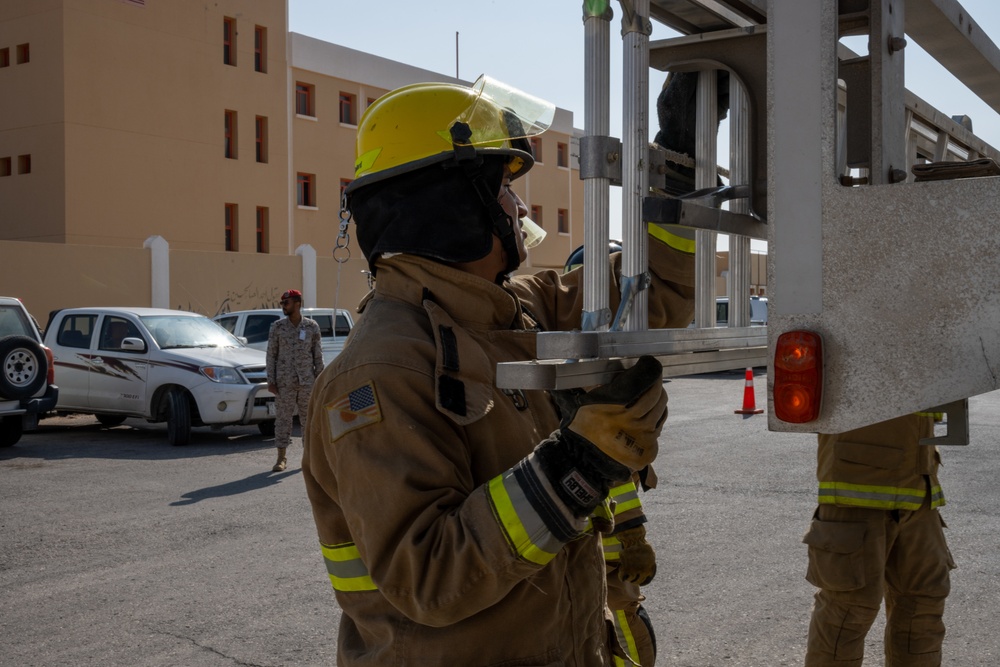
49	276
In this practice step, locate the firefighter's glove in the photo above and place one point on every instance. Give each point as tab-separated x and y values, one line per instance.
623	418
637	562
605	435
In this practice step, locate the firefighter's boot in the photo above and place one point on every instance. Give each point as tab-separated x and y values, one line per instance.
282	462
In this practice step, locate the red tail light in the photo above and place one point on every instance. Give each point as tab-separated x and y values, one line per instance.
51	375
798	376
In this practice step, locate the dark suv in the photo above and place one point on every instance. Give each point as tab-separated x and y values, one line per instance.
27	386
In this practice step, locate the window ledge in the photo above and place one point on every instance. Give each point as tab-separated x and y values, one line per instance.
348	125
303	117
307	208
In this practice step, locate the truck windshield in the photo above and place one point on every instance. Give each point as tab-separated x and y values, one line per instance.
175	331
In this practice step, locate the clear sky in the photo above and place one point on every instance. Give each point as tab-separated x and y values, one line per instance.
537	46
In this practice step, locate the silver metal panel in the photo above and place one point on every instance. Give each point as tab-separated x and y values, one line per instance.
911	300
801	111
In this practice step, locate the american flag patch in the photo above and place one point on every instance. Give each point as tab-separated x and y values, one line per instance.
353	410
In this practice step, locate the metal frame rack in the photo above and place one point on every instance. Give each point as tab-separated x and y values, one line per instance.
898	277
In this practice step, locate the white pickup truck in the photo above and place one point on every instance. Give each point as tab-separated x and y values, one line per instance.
159	365
253	326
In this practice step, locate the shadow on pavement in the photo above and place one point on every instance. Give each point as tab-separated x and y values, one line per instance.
254	482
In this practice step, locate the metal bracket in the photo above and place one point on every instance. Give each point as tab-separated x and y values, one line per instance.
600	157
688	213
957	425
595	320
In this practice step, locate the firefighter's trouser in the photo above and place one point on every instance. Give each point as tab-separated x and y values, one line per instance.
857	557
632	625
290	398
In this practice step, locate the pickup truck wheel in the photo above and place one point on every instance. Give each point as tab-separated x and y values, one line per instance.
23	367
178	418
10	430
266	428
110	420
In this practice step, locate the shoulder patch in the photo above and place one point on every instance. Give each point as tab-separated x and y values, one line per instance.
353	410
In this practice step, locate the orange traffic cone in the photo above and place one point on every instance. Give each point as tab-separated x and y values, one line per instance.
749	403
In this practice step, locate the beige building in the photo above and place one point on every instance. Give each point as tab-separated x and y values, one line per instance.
191	155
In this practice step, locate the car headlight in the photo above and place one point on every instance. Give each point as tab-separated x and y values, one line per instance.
223	374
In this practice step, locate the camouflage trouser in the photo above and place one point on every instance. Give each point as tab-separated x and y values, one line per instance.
290	398
857	558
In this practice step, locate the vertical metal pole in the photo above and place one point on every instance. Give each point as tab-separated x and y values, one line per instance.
705	176
739	173
636	29
596	191
885	49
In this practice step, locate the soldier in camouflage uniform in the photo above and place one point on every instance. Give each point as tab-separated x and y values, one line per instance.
294	359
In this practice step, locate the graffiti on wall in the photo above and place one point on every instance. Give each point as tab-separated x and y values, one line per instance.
248	298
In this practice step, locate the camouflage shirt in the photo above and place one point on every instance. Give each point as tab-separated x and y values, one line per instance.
294	355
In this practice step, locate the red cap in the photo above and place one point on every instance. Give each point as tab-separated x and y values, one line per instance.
292	294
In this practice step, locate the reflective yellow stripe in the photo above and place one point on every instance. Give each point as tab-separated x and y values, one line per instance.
520	521
877	497
674	240
347	572
625	638
626	497
612	547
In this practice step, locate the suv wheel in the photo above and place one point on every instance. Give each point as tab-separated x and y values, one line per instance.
266	428
23	367
178	417
10	430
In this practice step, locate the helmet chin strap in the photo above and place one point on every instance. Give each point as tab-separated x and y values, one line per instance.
503	225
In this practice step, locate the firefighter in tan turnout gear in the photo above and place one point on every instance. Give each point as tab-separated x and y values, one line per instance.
877	534
294	359
461	524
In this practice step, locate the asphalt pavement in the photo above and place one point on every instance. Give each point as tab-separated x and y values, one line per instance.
117	549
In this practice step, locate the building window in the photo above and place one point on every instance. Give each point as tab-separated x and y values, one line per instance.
5	57
23	54
263	244
259	49
304	94
563	224
536	215
232	222
230	134
306	189
536	148
260	136
24	164
562	155
229	41
5	166
348	105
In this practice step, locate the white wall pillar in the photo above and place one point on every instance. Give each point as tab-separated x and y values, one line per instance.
159	261
308	255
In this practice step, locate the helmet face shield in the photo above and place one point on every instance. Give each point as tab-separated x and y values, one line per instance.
499	114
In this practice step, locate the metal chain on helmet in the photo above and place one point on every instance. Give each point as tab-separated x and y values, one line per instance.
342	246
343	238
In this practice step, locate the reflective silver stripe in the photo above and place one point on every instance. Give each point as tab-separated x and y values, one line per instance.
879	497
626	497
347	571
612	547
525	530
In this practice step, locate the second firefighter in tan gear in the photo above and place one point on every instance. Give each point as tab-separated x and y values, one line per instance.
877	535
